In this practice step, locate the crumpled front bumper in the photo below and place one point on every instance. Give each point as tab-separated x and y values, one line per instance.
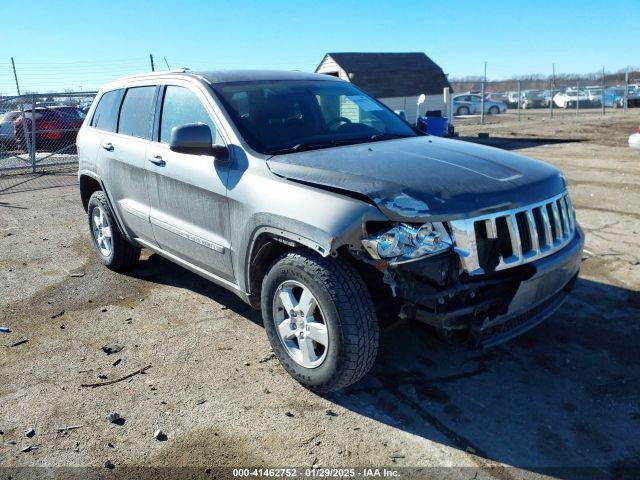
492	308
536	298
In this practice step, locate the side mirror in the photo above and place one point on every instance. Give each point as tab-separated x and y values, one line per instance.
195	139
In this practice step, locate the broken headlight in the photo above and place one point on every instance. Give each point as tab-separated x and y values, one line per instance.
405	243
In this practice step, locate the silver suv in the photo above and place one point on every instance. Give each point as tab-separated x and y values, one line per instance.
318	205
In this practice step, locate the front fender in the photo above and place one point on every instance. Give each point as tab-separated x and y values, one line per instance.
346	227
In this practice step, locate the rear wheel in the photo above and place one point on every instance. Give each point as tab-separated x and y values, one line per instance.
320	320
111	245
463	111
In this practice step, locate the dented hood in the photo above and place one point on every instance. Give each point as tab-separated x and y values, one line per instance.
425	178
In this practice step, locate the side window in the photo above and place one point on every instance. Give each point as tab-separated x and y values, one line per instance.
181	106
106	115
136	112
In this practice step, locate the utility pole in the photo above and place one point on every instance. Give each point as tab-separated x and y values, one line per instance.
553	87
484	80
15	75
519	95
153	68
24	121
626	90
602	92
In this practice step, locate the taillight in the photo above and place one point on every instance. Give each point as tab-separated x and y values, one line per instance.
638	129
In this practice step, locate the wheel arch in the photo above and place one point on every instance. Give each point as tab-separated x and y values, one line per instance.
268	243
90	183
265	235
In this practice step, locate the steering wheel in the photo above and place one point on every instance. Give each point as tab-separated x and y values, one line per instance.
337	121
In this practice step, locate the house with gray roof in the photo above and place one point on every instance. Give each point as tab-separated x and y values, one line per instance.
396	79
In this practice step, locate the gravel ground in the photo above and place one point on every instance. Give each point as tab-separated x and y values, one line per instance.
564	395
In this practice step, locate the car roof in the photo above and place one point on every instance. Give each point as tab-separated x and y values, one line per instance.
229	76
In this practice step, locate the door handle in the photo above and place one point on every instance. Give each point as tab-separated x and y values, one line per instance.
108	146
157	160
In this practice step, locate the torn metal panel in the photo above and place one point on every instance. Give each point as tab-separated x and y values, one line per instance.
404	205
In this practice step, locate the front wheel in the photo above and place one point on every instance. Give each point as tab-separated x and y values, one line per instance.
494	110
320	320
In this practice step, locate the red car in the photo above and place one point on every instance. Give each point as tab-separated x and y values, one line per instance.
55	127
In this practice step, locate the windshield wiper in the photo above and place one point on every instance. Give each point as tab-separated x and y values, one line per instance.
301	147
388	136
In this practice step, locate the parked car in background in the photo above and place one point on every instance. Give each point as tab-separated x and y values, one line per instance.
594	96
502	97
7	135
490	107
533	99
614	97
55	127
633	99
569	98
512	99
461	107
548	96
634	140
316	204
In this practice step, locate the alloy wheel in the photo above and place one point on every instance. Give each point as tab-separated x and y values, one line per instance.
300	324
102	232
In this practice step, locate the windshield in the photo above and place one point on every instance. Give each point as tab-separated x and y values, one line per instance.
287	116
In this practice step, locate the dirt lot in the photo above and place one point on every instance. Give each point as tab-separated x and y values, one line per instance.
564	395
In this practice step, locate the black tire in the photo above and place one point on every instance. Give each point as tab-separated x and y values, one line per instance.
494	110
348	313
123	255
463	111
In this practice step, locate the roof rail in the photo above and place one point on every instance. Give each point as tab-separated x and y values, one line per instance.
159	72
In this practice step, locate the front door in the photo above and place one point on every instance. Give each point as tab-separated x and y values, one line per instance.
188	193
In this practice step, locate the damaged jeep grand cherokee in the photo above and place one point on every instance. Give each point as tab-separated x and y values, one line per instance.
318	205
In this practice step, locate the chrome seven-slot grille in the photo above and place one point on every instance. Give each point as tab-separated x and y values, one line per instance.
506	239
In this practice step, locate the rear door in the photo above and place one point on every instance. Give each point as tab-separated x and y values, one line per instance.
189	209
124	154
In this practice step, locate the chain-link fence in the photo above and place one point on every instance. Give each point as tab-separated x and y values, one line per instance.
38	131
558	94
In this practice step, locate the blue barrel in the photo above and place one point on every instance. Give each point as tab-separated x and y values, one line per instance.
433	125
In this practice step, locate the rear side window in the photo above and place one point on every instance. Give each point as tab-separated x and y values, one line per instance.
106	115
136	112
182	106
